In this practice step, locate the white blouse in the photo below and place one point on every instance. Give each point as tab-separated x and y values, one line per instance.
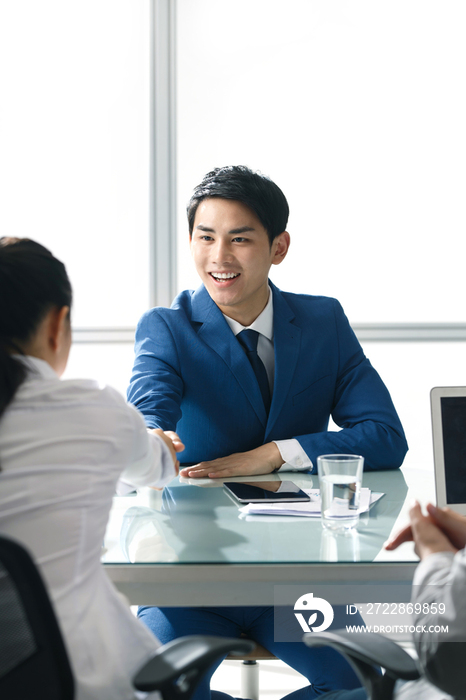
63	447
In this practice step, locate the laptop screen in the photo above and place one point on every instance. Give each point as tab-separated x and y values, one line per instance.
453	411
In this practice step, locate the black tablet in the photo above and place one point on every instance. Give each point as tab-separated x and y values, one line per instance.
265	491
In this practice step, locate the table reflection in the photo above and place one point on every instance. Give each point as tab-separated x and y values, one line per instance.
195	522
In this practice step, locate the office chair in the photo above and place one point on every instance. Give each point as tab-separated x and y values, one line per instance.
33	658
365	653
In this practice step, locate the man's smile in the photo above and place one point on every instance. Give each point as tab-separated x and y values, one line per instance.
224	277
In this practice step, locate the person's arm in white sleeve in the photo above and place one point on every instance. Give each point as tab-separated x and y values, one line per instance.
438	595
439	588
153	460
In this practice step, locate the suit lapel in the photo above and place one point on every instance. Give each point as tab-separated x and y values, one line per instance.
287	342
216	332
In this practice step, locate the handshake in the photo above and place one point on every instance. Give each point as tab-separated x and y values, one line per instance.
173	442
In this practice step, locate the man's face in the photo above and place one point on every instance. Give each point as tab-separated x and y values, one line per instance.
232	254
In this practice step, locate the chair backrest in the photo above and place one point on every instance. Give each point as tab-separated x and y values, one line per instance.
33	659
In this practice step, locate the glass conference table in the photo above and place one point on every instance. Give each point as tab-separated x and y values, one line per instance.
191	545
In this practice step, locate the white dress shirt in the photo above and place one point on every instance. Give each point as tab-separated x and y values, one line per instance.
63	447
290	450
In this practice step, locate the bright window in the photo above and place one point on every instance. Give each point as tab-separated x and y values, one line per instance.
357	111
74	144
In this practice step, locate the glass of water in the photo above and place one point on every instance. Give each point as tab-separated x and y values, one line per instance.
340	478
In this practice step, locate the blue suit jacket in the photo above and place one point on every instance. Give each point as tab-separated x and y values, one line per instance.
192	375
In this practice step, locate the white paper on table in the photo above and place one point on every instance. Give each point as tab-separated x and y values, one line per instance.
308	509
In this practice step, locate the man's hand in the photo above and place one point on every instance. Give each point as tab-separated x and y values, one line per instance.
262	460
428	535
173	443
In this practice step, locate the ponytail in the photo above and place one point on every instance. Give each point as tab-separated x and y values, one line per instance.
12	375
32	282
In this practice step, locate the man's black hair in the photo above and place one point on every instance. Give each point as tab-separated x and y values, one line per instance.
241	184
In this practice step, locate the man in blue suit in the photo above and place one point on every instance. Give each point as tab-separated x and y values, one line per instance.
248	376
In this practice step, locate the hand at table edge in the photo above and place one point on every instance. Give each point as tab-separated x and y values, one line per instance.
262	460
427	532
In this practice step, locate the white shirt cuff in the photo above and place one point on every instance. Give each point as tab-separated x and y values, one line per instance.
293	454
155	469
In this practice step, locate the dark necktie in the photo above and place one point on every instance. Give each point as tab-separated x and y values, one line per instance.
249	340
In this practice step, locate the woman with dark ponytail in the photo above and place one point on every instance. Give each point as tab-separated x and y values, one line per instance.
32	282
65	446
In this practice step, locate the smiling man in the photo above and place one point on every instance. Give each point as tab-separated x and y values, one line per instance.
255	411
249	376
